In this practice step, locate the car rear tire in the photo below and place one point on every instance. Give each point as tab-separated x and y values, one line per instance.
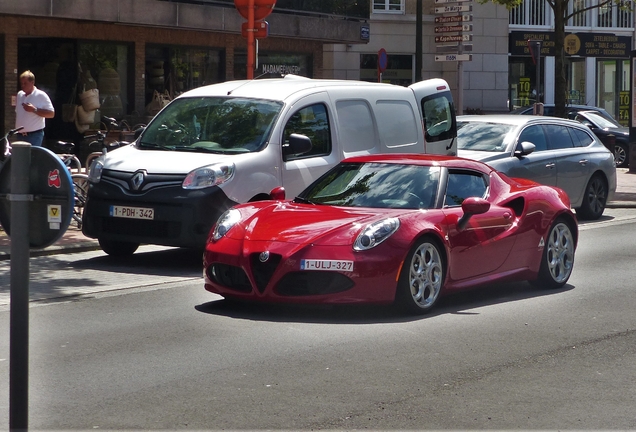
557	260
621	152
594	199
421	279
118	248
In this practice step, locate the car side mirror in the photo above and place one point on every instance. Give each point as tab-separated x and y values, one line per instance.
472	206
524	149
277	194
297	145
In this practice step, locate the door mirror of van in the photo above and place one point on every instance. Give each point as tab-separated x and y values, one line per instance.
277	194
297	145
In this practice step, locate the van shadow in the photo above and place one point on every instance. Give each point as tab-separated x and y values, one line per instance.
461	303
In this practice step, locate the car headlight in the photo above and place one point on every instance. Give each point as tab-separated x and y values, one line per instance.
211	175
95	171
375	233
227	220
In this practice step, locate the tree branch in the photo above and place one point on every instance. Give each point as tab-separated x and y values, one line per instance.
598	6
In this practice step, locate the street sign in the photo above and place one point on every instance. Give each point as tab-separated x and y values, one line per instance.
453	57
455	8
454	28
452	49
453	19
262	8
453	38
451	1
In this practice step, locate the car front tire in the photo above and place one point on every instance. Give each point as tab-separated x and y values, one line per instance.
421	279
621	155
594	199
118	249
557	260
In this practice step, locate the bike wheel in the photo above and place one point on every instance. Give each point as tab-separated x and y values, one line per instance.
80	186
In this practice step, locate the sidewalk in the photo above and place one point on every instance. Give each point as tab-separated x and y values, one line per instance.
74	241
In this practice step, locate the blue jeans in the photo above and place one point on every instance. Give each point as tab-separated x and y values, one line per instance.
33	138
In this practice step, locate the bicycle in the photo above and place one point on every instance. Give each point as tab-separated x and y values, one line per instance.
79	179
6	144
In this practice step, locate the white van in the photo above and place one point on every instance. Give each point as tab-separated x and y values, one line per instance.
234	142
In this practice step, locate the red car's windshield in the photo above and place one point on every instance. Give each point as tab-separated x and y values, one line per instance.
376	185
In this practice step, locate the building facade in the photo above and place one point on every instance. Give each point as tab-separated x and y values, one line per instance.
134	50
597	49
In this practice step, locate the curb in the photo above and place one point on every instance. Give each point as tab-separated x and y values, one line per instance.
54	250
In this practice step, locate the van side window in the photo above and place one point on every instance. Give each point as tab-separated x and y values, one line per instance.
400	123
356	126
462	185
313	122
438	117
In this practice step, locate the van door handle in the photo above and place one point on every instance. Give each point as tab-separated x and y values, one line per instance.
550	165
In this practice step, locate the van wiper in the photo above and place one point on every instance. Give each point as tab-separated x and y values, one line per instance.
150	145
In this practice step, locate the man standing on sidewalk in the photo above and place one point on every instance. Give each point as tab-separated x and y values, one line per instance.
32	108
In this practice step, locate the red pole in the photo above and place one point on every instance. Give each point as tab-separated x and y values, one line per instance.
250	39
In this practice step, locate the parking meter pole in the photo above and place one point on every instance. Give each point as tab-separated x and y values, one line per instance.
19	317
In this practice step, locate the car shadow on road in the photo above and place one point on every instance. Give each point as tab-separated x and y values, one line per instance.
464	303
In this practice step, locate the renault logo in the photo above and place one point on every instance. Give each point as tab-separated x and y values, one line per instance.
137	180
264	256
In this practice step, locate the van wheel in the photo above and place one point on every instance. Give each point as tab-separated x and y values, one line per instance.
118	248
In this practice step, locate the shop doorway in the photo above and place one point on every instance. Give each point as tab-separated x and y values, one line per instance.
613	83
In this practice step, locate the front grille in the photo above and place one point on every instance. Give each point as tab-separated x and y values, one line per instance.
263	271
306	283
231	277
150	181
141	228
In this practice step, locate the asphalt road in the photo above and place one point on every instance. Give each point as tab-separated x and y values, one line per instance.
143	346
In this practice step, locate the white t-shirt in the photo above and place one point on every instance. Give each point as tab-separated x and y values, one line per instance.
31	121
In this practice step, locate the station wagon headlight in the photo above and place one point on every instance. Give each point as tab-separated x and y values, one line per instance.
211	175
95	171
225	223
375	233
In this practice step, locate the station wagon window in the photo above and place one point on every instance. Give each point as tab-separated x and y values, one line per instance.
388	6
581	138
559	137
462	185
313	122
534	135
439	118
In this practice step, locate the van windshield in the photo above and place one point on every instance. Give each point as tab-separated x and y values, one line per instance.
212	124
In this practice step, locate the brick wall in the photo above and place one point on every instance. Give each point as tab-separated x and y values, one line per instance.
14	27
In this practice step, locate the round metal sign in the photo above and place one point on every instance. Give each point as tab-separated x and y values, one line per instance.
51	197
262	8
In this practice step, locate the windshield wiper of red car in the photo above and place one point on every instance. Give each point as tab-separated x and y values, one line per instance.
304	200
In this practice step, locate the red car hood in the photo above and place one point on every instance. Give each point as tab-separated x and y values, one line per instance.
305	223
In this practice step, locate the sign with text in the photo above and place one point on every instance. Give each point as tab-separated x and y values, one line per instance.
454	48
453	57
453	19
453	38
454	28
576	44
454	9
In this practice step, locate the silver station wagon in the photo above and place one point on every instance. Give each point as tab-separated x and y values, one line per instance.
548	150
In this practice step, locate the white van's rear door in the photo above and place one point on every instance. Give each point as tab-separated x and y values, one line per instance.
437	109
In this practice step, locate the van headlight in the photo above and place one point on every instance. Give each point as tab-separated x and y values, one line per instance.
375	233
225	223
210	175
95	171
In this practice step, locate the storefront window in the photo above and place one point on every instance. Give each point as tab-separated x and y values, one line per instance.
576	84
105	66
174	70
399	69
522	79
613	81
